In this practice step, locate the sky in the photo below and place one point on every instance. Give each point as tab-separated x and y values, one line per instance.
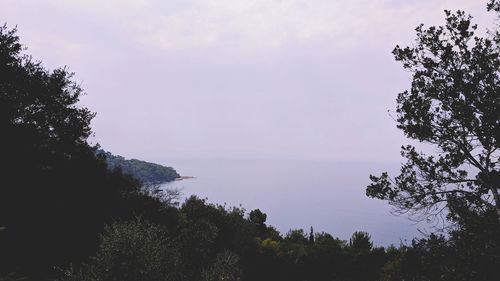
267	79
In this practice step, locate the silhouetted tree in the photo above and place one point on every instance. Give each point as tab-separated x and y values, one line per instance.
258	218
56	195
297	236
146	172
361	241
132	251
311	236
453	105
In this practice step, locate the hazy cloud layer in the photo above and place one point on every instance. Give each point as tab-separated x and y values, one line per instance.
235	78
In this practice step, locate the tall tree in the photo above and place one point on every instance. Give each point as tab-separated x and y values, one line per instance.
361	241
55	195
453	105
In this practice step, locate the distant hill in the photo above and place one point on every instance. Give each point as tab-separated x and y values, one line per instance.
144	171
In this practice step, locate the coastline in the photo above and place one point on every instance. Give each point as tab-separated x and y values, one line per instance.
184	178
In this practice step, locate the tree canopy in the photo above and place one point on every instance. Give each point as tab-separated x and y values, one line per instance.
145	172
56	195
454	106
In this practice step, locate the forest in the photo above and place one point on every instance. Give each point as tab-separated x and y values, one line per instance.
67	214
146	172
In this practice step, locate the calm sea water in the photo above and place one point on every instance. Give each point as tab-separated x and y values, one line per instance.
328	196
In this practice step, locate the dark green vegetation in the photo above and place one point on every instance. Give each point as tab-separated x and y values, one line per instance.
55	195
145	172
454	106
65	216
210	242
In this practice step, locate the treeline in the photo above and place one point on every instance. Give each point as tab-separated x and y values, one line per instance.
202	241
146	172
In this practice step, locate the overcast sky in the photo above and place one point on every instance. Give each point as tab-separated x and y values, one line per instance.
289	79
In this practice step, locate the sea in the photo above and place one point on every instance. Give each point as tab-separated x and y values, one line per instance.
299	194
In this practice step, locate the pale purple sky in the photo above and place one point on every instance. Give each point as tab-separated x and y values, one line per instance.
296	79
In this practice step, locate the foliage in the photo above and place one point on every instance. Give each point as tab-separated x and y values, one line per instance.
134	251
466	255
225	267
56	195
212	242
361	241
453	105
146	172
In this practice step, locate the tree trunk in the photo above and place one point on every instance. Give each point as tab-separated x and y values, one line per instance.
494	190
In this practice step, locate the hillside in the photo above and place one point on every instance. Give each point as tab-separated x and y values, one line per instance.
146	172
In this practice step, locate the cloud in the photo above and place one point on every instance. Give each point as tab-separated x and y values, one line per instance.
197	77
249	25
273	24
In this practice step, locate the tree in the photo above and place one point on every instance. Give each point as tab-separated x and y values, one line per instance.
454	106
135	250
224	267
311	236
361	241
56	194
258	218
